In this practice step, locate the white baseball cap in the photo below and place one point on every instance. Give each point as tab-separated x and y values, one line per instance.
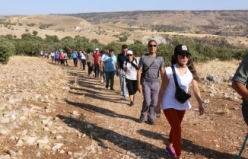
97	49
129	52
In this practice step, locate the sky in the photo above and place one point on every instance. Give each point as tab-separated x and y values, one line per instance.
33	7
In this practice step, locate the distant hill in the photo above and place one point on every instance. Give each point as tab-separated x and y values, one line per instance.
226	22
218	28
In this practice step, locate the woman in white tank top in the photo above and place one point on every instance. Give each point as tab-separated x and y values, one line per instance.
173	110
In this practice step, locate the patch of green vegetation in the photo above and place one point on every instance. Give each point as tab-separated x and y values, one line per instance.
166	28
31	24
44	26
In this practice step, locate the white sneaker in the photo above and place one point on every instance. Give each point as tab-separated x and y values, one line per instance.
101	80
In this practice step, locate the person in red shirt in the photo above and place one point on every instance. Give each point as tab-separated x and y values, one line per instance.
96	58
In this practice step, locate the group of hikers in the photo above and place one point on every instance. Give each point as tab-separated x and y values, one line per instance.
144	75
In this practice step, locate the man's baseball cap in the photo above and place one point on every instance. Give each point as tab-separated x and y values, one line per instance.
97	49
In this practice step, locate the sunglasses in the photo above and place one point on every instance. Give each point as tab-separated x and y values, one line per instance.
152	45
129	55
184	55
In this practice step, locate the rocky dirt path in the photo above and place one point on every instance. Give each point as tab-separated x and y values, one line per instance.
49	111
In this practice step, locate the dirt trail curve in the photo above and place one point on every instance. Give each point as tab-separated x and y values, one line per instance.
50	111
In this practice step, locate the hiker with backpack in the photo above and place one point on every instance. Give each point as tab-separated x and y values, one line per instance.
150	65
130	67
173	96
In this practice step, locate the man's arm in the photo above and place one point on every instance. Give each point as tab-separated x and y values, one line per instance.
117	67
140	68
241	89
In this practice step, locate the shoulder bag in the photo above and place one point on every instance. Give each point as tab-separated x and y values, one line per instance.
180	95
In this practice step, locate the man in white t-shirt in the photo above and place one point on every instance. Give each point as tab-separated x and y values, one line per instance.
52	56
102	74
83	60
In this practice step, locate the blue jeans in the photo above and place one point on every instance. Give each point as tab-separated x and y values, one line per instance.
123	85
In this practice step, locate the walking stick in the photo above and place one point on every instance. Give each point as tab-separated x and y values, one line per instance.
243	146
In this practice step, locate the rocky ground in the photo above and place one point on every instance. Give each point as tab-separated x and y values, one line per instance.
51	111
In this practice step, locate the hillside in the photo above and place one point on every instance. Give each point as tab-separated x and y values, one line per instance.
221	28
211	22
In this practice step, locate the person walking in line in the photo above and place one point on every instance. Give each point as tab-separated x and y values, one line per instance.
56	57
65	59
148	80
130	67
110	63
102	74
120	72
96	59
61	57
83	60
89	59
52	56
239	84
74	57
186	75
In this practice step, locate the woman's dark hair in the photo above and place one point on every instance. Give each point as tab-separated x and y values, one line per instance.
190	66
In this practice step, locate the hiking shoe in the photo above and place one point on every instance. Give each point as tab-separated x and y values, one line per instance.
131	103
170	151
112	89
142	118
106	86
150	121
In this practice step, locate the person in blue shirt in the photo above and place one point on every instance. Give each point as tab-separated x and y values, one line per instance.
56	57
74	56
109	68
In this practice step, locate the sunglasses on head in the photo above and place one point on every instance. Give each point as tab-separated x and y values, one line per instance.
152	45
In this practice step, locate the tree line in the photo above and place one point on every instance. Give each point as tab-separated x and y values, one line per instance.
31	45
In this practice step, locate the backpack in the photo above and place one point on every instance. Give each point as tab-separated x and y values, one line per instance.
133	64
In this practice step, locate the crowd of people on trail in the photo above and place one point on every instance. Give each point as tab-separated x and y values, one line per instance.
144	75
164	89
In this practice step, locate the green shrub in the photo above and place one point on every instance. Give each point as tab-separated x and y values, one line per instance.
7	49
123	38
